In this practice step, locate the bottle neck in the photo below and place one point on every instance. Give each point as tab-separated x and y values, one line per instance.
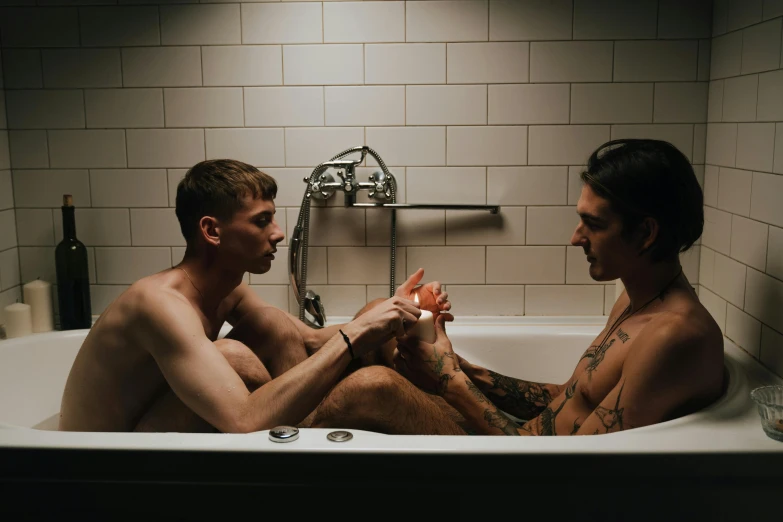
69	223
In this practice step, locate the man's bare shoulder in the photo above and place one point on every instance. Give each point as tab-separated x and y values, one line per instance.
150	296
152	311
685	336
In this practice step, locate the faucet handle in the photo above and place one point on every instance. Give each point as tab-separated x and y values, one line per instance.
382	182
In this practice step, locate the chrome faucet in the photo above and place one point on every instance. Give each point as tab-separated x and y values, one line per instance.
321	184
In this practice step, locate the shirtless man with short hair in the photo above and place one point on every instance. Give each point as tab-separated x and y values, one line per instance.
660	355
152	361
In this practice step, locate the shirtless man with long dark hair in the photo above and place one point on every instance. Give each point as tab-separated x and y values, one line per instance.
660	355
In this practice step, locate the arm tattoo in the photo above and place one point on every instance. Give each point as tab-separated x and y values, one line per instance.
475	391
443	383
544	424
622	335
453	356
437	363
496	419
520	398
576	426
611	418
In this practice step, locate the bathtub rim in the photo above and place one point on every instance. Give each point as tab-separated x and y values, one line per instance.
656	439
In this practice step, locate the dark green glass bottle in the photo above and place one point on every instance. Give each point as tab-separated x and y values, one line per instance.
73	275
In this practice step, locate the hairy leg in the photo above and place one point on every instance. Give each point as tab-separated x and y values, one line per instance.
271	335
169	413
379	399
384	356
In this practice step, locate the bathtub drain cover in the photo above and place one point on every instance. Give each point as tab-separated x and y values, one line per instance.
340	436
284	434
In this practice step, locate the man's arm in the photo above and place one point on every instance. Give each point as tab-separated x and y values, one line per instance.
522	399
246	300
204	380
483	416
665	371
432	299
435	368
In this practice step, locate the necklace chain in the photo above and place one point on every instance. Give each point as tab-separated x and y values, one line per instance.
618	322
203	299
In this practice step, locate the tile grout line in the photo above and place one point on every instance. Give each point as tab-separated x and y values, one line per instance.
487	102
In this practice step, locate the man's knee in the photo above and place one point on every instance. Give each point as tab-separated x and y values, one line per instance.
362	390
246	363
273	337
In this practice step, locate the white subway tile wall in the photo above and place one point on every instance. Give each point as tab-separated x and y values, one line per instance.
204	107
73	68
760	49
715	101
28	149
740	95
744	13
124	108
242	65
770	102
734	189
253	146
10	269
705	55
119	26
656	60
199	24
741	272
22	69
612	103
681	136
475	101
720	17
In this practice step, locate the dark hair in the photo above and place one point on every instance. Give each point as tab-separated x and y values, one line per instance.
650	178
215	188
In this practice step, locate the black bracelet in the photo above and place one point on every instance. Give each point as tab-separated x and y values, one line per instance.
348	342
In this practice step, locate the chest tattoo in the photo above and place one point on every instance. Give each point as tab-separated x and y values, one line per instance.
596	354
544	424
612	418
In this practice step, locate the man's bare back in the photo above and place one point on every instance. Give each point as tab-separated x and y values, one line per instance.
115	379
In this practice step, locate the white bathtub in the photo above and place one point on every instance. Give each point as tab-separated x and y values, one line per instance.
724	441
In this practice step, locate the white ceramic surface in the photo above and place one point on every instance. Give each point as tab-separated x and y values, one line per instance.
33	371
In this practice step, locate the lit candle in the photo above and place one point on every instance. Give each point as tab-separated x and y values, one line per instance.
18	320
38	294
424	328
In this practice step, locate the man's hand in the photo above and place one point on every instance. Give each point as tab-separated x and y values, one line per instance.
429	366
431	296
390	319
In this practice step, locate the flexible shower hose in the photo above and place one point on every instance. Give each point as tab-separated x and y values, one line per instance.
303	221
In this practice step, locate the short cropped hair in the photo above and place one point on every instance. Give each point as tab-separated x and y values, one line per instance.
650	178
216	188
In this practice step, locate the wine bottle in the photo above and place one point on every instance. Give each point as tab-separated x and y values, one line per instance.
73	276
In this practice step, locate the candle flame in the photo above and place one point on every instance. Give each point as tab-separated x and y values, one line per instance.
416	298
